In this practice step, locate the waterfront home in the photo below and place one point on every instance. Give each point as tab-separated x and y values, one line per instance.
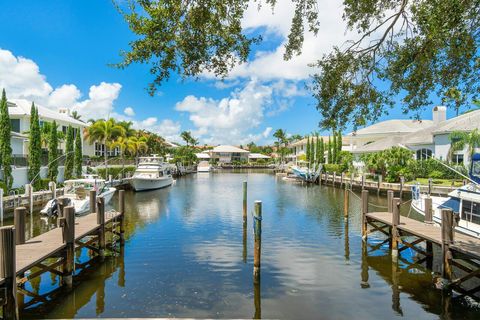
203	155
20	122
432	141
254	157
298	148
228	154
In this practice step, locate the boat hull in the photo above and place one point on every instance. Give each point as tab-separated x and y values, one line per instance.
144	184
203	169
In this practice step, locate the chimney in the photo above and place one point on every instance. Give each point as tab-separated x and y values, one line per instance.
439	114
64	111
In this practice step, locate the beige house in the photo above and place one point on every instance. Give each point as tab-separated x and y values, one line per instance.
228	154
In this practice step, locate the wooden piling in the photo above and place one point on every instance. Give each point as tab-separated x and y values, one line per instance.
379	183
244	200
364	212
402	182
346	195
101	223
8	272
53	188
93	201
258	240
429	186
390	200
334	178
62	203
121	210
395	223
428	210
447	240
244	252
20	214
69	238
363	181
342	177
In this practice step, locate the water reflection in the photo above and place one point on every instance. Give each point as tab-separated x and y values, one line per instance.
188	253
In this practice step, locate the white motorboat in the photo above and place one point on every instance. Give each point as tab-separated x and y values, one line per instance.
309	174
203	166
78	193
151	173
464	202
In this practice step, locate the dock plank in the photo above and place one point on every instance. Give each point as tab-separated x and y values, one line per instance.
431	232
49	243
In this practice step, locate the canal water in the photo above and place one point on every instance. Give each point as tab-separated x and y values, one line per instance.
188	254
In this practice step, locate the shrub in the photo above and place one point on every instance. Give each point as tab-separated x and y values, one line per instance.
115	171
332	167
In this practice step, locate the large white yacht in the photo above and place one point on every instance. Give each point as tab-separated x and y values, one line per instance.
151	173
78	193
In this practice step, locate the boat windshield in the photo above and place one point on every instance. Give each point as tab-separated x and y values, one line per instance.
71	187
475	168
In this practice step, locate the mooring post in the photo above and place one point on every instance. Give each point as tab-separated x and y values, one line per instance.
101	223
53	188
428	210
334	178
244	255
363	181
257	227
1	206
346	195
379	183
62	203
364	213
8	272
93	201
244	200
447	240
121	209
69	238
429	186
20	214
29	196
402	182
257	299
395	223
390	200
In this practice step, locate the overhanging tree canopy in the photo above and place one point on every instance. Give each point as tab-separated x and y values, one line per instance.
400	49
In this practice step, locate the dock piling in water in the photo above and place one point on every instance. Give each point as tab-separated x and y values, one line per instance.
395	223
69	238
447	240
364	212
428	210
20	214
244	200
390	200
8	272
346	195
258	239
121	209
93	201
101	223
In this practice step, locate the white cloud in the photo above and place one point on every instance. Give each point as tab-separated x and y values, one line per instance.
149	122
129	111
64	96
100	102
231	119
266	132
166	128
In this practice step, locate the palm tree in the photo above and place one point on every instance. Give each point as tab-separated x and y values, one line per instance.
122	144
281	136
127	125
137	144
106	131
186	136
461	139
75	115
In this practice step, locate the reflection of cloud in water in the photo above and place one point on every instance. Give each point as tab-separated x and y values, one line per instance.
150	205
221	254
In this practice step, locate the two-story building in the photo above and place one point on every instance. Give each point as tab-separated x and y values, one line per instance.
228	154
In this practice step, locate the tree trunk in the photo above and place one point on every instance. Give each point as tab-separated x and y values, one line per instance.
106	158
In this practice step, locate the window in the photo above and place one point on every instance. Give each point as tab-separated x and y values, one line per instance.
99	149
15	125
458	158
64	129
423	154
470	211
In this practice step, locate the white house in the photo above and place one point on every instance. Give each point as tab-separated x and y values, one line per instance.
228	154
433	140
20	122
253	157
299	148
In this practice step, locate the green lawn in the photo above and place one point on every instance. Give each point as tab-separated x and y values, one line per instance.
438	182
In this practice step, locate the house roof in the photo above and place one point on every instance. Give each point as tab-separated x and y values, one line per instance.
21	107
228	149
379	145
202	155
393	126
304	141
465	122
258	156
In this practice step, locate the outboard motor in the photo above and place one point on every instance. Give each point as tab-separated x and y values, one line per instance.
53	209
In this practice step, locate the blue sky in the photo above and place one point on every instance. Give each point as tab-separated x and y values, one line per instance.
57	53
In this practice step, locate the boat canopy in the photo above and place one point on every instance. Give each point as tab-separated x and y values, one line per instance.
475	168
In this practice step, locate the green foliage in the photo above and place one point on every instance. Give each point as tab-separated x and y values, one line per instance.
78	156
345	161
322	151
332	167
69	156
53	153
185	155
391	163
5	147
281	143
461	139
200	36
334	148
408	49
329	151
339	144
432	168
116	172
188	138
253	148
34	148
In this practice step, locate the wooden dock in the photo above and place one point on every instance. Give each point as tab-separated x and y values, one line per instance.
54	251
460	253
